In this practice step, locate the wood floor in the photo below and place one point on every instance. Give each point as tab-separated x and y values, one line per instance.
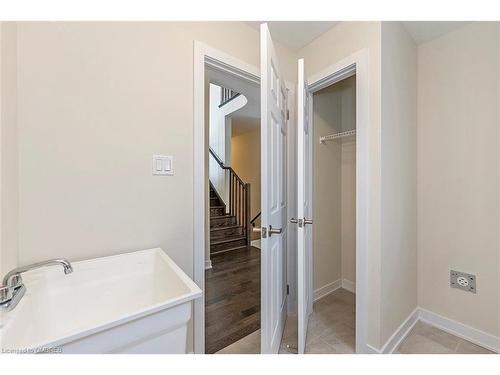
232	303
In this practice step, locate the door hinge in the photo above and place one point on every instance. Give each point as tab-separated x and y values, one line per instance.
287	289
288	114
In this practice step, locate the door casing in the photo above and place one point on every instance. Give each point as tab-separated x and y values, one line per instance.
203	56
366	184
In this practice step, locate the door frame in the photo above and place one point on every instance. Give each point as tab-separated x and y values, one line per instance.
358	64
206	56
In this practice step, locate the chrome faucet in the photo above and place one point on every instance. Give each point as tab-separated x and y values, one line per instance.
13	289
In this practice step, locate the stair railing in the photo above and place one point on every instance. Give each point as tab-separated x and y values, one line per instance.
227	95
254	220
239	198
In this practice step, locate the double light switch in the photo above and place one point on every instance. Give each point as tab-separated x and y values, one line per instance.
163	165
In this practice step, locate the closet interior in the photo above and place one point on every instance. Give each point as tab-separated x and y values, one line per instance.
334	214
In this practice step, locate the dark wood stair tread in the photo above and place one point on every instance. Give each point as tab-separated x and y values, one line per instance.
227	216
225	233
232	226
227	250
230	239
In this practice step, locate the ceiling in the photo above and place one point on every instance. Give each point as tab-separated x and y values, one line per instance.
295	34
424	31
246	118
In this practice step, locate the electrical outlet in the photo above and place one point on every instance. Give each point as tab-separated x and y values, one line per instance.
463	281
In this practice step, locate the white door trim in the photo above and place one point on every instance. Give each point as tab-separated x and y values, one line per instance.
357	63
291	247
204	55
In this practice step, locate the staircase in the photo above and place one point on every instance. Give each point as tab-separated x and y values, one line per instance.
225	232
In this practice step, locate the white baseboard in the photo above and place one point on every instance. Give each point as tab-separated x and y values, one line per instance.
370	350
255	243
349	285
401	332
327	289
453	327
208	264
466	332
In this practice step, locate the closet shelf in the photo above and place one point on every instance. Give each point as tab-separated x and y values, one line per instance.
331	137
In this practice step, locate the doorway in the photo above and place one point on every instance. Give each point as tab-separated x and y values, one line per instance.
232	274
274	174
333	151
332	322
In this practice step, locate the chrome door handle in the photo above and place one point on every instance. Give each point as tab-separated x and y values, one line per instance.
274	230
293	221
262	231
306	221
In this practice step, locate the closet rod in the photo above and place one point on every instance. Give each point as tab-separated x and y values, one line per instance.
331	137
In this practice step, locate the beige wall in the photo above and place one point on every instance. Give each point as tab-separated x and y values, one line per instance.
245	160
96	100
334	190
327	159
348	209
399	173
8	149
459	173
331	47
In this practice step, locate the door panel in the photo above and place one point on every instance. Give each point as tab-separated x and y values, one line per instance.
273	205
304	207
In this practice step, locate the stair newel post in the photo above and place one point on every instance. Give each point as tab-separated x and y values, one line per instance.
235	198
247	215
230	193
241	204
238	199
233	203
234	193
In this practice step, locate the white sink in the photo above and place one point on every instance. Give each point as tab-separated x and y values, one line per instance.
137	302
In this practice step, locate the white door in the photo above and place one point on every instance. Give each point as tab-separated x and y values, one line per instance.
273	169
304	207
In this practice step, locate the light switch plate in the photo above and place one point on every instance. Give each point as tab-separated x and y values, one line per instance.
463	281
163	165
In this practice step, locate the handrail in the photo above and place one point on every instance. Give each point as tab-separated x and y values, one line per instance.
217	159
226	95
223	166
239	198
228	100
255	218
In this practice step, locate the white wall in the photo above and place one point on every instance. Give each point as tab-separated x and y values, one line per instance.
219	139
399	173
8	148
459	173
96	100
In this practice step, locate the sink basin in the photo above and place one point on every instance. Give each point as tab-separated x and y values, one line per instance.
138	302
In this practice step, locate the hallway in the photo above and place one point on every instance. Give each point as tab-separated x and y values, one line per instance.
232	297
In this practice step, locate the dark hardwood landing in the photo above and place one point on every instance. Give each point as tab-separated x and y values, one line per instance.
232	297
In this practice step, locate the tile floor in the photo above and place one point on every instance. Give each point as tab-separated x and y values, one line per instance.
426	339
247	345
331	330
251	343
